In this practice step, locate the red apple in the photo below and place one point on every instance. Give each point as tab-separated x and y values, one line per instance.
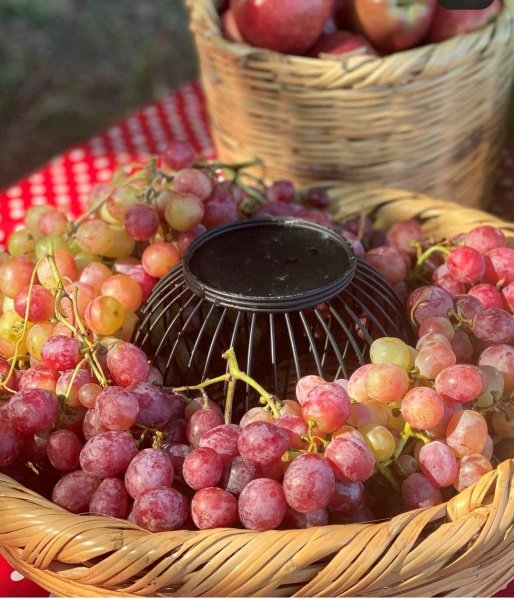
449	23
393	25
229	27
342	42
288	26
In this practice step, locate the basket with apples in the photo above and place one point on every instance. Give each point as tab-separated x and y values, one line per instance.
398	480
405	94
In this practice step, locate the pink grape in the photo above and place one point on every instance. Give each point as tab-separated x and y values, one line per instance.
275	470
439	430
440	325
262	443
328	405
508	296
117	408
289	408
438	463
281	190
32	410
357	383
471	469
194	182
202	468
419	492
262	505
500	356
128	364
488	295
79	378
213	507
347	499
159	258
500	266
297	520
141	222
63	450
177	453
494	326
460	383
442	278
282	209
429	301
237	474
255	415
91	425
422	408
186	238
11	443
305	385
161	509
223	440
108	454
402	234
155	407
75	490
61	353
110	499
484	238
466	432
39	377
88	393
309	483
178	155
200	423
467	306
317	197
41	303
466	264
351	459
462	347
217	213
15	274
198	403
145	281
433	358
149	469
176	431
430	338
386	382
389	262
295	427
359	415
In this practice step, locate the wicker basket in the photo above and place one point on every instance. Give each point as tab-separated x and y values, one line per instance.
429	119
461	548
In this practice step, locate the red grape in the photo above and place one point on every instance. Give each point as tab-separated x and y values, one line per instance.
200	423
461	383
309	483
466	432
11	442
429	301
110	499
351	459
438	463
41	303
471	469
178	155
155	407
422	407
466	264
128	364
193	182
484	238
213	507
237	474
297	520
296	428
402	234
347	499
494	326
92	425
108	454
500	356
222	439
488	294
328	404
141	222
117	408
15	274
32	410
39	377
202	468
151	468
389	262
63	450
305	385
177	453
500	266
281	190
159	258
60	352
75	490
419	492
262	443
262	505
80	377
161	509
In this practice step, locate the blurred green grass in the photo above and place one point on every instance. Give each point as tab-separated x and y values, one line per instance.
70	68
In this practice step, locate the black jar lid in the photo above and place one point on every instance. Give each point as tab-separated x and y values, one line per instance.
274	264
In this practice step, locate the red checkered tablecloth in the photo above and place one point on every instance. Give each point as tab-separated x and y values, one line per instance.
66	181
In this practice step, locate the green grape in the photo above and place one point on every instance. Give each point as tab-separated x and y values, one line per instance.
379	440
11	326
122	244
390	350
95	237
48	244
33	215
22	243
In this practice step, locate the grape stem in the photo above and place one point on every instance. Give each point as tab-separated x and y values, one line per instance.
94	209
408	433
233	375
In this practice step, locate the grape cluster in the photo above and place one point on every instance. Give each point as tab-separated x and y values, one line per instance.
85	420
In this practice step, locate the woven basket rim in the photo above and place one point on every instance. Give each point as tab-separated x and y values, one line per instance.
205	12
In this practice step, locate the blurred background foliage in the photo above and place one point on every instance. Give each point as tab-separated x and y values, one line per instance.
70	68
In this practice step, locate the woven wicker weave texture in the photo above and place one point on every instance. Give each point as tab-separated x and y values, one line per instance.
462	548
430	119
